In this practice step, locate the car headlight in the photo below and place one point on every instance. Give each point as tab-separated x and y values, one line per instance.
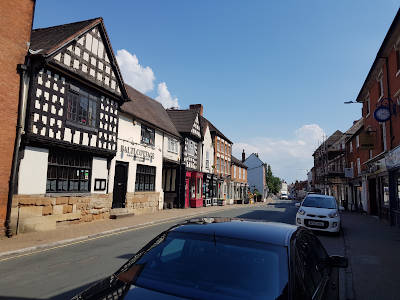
301	211
333	214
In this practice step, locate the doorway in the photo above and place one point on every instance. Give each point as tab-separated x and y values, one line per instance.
120	184
372	196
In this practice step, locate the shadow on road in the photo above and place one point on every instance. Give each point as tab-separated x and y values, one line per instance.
267	215
71	293
16	298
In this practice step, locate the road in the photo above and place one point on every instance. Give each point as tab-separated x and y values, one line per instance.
63	272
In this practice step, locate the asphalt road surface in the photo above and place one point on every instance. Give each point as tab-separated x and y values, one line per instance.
61	273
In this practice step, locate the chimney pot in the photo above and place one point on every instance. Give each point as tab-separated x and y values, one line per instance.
243	156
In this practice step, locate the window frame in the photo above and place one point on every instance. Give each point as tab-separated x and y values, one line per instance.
74	98
144	179
67	163
147	129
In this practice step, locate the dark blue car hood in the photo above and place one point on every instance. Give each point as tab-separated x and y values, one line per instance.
136	292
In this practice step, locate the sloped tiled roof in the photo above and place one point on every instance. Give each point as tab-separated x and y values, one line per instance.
237	162
215	130
148	110
183	119
47	41
51	38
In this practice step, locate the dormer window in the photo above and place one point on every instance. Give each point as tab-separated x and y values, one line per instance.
147	135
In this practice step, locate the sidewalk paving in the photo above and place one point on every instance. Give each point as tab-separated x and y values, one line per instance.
373	249
68	233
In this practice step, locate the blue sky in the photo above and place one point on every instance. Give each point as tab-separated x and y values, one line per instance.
272	75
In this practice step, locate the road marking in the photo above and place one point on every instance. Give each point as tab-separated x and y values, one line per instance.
114	233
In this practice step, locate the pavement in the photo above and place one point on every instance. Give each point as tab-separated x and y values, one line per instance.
69	233
373	249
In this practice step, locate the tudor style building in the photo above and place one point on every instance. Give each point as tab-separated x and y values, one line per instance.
191	187
71	128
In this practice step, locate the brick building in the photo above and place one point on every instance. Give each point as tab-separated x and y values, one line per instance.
381	89
16	19
239	180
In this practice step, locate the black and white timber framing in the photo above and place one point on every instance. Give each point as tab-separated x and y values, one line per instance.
191	151
86	63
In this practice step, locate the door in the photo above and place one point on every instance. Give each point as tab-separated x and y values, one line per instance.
372	196
187	192
120	184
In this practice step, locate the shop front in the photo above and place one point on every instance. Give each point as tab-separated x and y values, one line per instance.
194	189
392	161
378	189
207	189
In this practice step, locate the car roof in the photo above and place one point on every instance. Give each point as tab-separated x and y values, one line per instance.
320	196
265	232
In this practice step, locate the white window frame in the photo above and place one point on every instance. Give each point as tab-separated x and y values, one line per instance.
368	106
358	141
207	159
172	145
380	82
358	166
351	146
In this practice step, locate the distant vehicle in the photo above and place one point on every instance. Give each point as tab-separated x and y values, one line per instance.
284	195
319	212
224	258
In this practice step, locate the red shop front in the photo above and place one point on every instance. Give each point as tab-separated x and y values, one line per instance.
194	190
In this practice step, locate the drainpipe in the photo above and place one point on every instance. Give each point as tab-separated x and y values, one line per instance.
23	95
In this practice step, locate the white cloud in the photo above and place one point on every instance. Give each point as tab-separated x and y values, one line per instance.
164	96
134	74
289	158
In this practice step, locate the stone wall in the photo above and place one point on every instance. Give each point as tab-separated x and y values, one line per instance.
143	202
43	212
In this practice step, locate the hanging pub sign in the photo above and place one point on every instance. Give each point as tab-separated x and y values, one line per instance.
382	113
137	154
366	141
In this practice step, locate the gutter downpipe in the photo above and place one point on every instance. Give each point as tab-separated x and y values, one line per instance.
23	93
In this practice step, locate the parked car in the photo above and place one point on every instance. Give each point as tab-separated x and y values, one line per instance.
319	212
224	258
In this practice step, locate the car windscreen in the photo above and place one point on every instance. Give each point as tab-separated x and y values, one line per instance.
207	267
320	202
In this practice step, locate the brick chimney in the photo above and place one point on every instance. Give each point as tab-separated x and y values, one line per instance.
198	107
243	156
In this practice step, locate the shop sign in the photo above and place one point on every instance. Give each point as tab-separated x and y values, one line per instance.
366	141
392	159
348	172
137	154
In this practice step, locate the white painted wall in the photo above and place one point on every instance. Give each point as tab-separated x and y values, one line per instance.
33	171
129	134
255	174
207	146
99	171
171	155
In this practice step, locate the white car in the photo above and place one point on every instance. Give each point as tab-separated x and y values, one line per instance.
319	212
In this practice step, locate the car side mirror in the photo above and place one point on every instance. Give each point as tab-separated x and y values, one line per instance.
297	205
338	261
341	208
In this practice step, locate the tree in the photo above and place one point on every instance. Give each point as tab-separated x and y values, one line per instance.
273	183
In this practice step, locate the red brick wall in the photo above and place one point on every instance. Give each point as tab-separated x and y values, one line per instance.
357	153
15	27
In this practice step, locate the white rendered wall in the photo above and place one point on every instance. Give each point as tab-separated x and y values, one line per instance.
207	146
129	134
99	171
171	155
33	171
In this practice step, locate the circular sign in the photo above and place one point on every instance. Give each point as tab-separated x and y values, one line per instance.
382	113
